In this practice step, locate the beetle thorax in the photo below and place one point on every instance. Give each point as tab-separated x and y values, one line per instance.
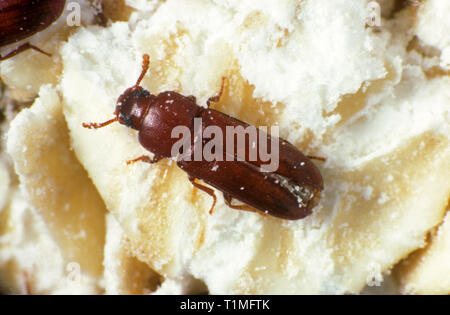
168	112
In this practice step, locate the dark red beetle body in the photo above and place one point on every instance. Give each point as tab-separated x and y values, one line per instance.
289	193
20	19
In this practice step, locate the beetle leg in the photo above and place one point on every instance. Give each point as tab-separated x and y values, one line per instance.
312	157
26	283
22	48
146	159
227	198
207	190
218	96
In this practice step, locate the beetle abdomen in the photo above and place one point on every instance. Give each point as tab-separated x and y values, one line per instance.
244	182
278	193
292	163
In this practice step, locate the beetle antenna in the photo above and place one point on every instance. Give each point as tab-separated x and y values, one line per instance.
145	66
99	125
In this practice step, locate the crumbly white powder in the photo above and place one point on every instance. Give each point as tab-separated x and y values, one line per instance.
29	247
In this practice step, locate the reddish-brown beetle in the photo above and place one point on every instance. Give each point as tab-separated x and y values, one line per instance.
20	19
289	192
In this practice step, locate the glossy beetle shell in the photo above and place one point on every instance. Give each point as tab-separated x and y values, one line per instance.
20	19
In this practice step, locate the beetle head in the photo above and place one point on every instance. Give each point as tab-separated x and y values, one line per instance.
132	106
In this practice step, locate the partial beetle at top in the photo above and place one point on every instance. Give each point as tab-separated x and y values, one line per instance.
289	192
20	19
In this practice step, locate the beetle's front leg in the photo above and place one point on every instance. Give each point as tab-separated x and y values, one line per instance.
146	159
22	48
207	190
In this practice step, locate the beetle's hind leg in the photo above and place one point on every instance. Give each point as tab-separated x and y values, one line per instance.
146	159
207	190
22	48
227	198
218	96
319	158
